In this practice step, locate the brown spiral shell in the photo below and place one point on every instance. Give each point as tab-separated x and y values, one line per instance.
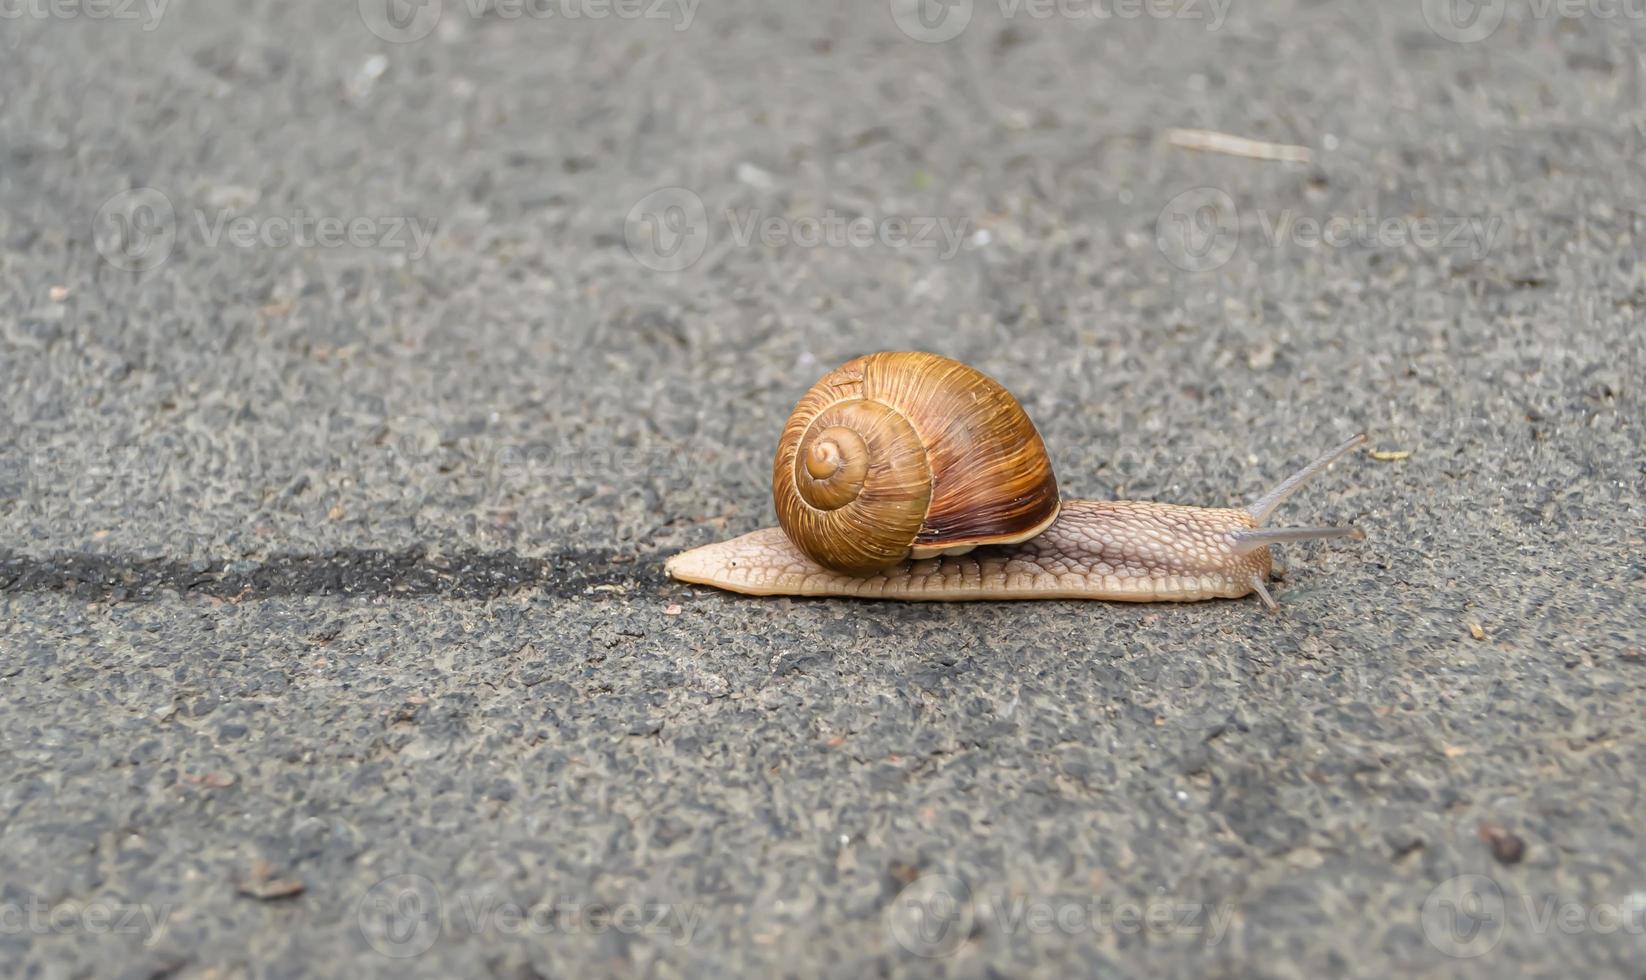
898	455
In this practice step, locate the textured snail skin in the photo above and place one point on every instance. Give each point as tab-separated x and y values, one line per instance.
1121	551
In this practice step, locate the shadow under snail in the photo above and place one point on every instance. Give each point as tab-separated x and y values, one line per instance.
894	467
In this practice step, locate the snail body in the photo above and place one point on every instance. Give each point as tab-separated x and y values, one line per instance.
912	476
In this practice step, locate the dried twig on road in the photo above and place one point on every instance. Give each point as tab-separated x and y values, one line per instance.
1209	141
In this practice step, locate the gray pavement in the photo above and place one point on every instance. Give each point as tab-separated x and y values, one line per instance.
360	371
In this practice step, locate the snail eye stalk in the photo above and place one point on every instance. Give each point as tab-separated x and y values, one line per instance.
1249	541
1266	505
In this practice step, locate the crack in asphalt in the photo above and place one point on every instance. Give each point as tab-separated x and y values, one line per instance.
345	572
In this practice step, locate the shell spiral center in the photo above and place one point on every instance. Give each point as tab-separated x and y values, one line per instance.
835	462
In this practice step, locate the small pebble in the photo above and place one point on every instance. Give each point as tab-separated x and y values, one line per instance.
1506	845
264	883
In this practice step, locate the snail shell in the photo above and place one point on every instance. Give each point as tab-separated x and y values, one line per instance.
899	455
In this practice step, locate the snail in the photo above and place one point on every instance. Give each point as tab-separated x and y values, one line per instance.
912	476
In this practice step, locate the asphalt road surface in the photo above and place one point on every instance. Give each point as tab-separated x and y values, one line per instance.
362	364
